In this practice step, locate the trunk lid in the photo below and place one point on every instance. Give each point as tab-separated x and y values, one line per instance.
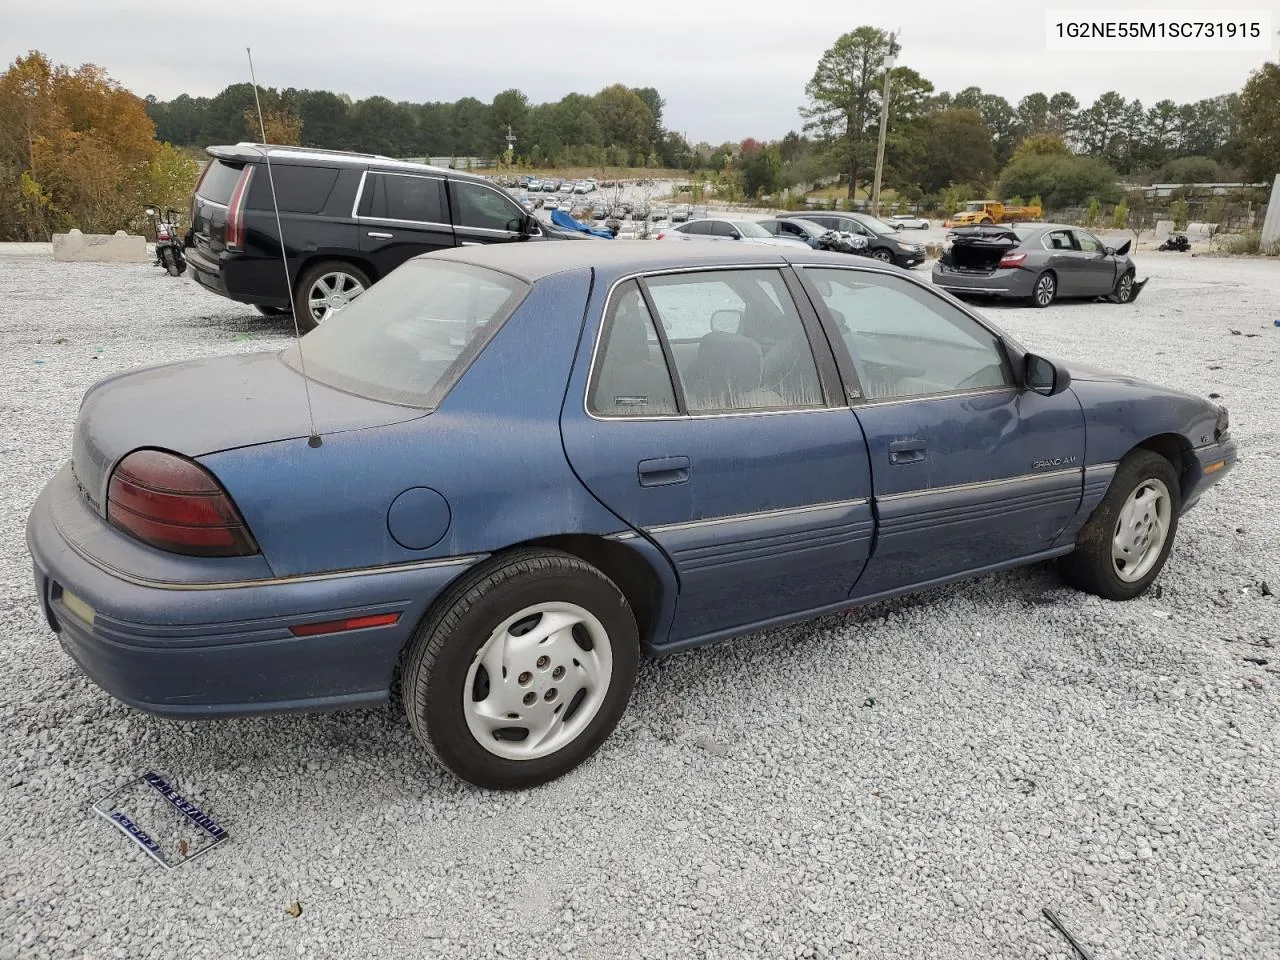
979	250
199	407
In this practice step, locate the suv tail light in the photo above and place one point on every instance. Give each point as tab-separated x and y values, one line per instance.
174	504
235	209
1012	259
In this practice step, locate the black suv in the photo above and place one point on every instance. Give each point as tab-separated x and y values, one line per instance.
348	220
883	242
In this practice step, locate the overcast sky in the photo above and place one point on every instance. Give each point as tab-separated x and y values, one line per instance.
728	69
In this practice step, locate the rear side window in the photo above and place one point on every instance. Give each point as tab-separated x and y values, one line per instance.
219	181
393	196
632	379
298	189
411	336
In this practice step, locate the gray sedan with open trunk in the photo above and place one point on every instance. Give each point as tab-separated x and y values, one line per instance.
1035	262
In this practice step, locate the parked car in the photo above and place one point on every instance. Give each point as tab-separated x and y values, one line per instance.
681	212
349	219
815	236
582	186
883	241
717	228
210	551
907	221
1036	262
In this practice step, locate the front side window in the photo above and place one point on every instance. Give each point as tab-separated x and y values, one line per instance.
631	377
906	341
409	337
479	206
1088	242
737	340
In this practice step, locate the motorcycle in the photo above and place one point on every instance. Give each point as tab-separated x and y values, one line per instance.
1177	242
168	241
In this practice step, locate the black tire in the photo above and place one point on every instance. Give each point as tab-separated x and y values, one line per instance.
170	261
883	255
1045	290
1091	567
987	220
308	319
433	681
272	311
1123	291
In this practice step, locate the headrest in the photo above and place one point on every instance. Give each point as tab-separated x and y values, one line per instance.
729	362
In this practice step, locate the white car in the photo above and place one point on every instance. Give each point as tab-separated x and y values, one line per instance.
907	221
715	228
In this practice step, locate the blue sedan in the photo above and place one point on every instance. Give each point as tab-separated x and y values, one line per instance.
483	488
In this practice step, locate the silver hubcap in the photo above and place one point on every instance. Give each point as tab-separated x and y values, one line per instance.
1126	287
1044	290
330	293
1141	531
538	681
883	256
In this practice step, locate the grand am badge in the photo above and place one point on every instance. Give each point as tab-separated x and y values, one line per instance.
1055	462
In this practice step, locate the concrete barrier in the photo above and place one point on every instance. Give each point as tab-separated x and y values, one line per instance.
118	247
1201	231
1163	229
1271	226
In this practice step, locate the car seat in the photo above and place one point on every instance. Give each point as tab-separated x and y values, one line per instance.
631	382
726	375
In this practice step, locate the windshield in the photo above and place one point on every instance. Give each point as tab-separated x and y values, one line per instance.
749	228
409	337
874	225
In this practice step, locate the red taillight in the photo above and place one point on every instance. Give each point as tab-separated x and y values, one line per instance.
1012	259
175	504
339	626
235	209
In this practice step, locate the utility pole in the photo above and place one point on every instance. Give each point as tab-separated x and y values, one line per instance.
889	62
511	145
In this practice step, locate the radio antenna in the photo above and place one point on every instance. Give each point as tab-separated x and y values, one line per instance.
313	437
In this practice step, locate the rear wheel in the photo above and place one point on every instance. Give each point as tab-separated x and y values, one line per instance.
522	670
170	261
1125	544
325	288
1045	289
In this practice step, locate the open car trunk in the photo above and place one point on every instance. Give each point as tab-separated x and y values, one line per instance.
979	249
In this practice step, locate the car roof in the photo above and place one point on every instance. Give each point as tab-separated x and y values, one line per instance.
533	260
258	152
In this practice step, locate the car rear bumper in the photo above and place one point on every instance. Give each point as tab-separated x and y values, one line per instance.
1010	282
208	649
237	277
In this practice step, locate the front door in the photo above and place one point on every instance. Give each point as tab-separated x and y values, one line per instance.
483	214
712	427
969	470
401	215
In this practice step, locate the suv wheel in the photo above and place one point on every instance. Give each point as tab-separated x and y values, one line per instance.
325	288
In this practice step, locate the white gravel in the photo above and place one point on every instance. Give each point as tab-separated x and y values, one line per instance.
912	780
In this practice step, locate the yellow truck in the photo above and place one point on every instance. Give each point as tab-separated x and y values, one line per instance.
993	211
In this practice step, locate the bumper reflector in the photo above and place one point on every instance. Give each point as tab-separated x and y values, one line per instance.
77	606
1214	467
351	623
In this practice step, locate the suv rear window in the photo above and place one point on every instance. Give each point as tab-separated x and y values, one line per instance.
219	181
411	336
298	189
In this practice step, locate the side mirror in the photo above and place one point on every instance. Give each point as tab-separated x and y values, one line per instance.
1111	251
530	226
735	235
1044	376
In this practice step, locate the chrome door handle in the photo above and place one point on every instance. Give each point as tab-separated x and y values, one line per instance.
663	471
381	236
907	451
471	243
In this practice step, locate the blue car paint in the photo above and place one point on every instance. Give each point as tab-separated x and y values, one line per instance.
189	636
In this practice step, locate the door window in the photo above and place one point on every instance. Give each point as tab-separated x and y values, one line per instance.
699	228
722	228
1088	243
393	196
1058	240
631	377
737	340
906	341
484	208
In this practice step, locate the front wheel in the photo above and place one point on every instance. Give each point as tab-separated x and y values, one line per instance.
987	221
522	670
1123	291
1124	545
884	256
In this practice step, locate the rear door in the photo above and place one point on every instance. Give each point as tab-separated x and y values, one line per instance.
1063	258
710	424
970	471
484	214
401	215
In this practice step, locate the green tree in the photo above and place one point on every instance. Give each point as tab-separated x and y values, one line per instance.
1179	213
1191	170
510	108
844	98
1042	145
1260	122
1061	181
625	120
1062	114
1033	115
1120	216
762	172
958	149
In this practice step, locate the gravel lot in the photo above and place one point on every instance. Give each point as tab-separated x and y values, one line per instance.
911	780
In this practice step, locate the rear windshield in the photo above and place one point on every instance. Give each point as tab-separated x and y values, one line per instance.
410	336
219	181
